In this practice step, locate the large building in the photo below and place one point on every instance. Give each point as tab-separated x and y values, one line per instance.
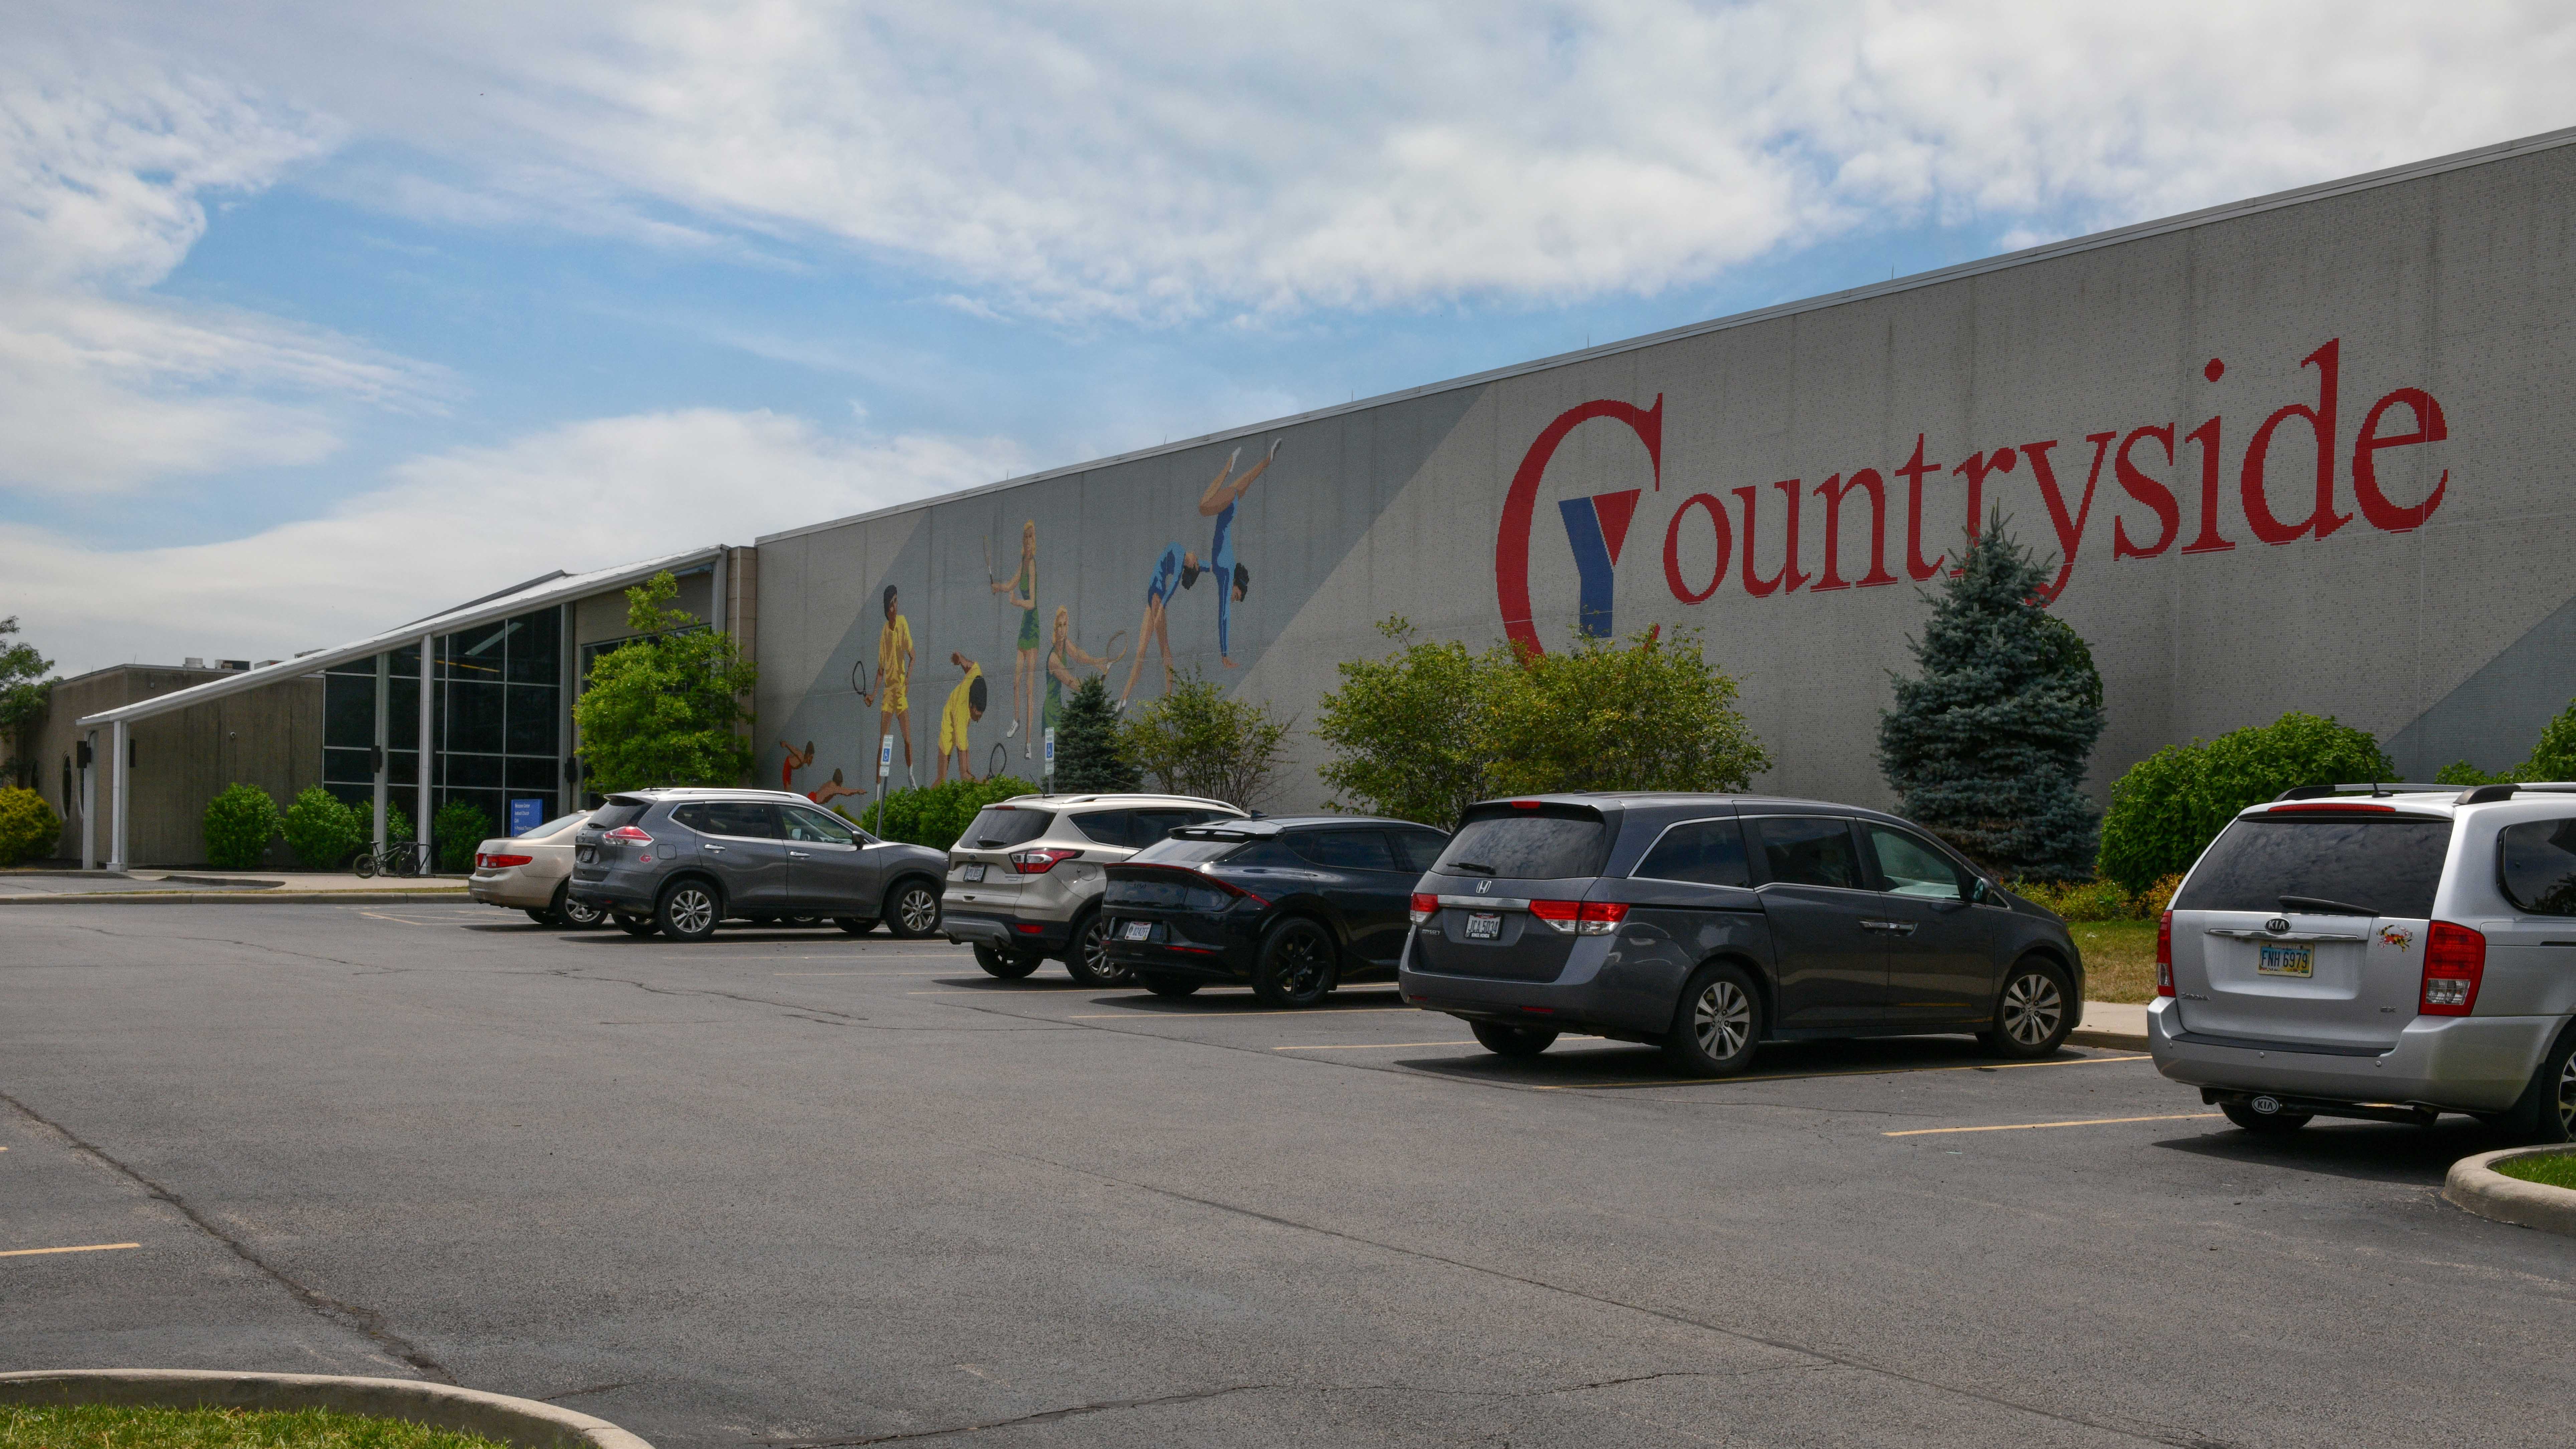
2303	452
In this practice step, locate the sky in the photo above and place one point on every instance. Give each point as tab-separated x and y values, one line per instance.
314	318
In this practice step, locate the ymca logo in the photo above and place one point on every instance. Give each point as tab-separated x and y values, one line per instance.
1596	527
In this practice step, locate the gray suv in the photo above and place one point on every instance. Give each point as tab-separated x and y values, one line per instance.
1025	879
680	860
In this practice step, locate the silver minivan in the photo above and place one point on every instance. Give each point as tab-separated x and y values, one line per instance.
2389	952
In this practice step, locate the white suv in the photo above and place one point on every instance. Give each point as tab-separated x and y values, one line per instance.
2390	952
1024	881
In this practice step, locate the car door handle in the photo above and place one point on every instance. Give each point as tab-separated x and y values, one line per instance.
1893	928
712	849
799	855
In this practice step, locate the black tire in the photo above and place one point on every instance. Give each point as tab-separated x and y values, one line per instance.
2547	1111
802	923
541	916
912	909
1086	955
855	925
1005	967
633	925
1718	1024
575	915
1170	988
688	910
1512	1041
1298	965
2033	1013
363	864
2272	1125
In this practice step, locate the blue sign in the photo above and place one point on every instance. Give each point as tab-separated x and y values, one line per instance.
526	815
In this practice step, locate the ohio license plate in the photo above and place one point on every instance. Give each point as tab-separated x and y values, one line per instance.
1484	927
1139	930
2286	960
974	875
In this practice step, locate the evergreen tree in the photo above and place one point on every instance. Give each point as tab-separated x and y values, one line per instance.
1988	747
1087	758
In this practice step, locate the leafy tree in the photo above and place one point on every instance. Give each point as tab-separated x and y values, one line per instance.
666	708
239	825
24	690
321	830
1988	745
2169	806
936	815
455	831
1195	741
1653	714
2553	758
29	828
1087	759
1407	730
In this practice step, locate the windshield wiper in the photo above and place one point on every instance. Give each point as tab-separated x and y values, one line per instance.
2321	904
1470	865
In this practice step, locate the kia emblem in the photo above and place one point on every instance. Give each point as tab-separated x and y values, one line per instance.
2276	925
1484	887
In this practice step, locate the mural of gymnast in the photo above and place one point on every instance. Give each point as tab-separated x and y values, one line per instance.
1179	568
1022	590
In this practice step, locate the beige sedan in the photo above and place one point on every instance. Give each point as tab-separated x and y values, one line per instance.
530	872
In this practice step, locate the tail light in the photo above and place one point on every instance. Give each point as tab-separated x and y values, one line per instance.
2164	954
1039	862
1424	908
499	862
629	835
2455	961
1590	918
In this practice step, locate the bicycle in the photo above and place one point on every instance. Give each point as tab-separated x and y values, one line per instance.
394	857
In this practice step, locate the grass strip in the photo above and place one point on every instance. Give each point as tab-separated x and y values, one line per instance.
114	1426
2556	1169
2119	959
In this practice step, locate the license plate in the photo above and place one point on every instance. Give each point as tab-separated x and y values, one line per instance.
1139	930
2286	960
974	875
1484	928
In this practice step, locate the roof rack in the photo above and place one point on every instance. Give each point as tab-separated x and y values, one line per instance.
2374	788
2489	794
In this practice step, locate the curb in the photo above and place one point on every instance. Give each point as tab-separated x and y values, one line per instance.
523	1422
2118	1040
2475	1186
238	897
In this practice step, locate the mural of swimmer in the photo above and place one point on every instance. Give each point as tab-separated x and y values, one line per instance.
1180	568
1022	590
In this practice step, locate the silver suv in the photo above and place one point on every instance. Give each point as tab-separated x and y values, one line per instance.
1024	881
2388	952
680	860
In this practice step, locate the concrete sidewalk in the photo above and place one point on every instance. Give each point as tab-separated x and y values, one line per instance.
147	885
2112	1024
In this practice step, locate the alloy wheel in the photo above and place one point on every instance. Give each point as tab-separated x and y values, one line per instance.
692	909
2567	1096
579	914
1301	964
1094	949
2032	1007
918	909
1722	1018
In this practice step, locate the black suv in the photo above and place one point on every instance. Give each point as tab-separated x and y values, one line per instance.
1294	906
1709	924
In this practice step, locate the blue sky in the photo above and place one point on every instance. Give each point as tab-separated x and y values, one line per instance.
314	317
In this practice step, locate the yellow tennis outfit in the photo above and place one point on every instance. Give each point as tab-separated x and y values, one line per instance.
894	664
959	714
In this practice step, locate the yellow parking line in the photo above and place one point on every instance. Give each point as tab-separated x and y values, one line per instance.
90	1248
2027	1126
1802	1076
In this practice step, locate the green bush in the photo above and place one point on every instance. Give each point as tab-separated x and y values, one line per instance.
455	831
364	813
239	825
1195	741
937	815
2169	806
322	831
29	828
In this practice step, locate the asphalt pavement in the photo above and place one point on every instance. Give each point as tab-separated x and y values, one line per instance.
787	1188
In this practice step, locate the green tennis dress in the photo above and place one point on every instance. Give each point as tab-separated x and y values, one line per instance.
1026	586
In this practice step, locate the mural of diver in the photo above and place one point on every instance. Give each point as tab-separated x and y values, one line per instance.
1180	568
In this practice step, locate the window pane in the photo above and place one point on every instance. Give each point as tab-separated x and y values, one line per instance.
1344	849
1914	868
1109	827
472	771
626	810
2384	867
1528	845
2540	866
1705	852
533	718
1418	849
473	654
536	648
997	827
349	711
1808	850
348	766
474	718
529	774
402	711
1147	826
814	826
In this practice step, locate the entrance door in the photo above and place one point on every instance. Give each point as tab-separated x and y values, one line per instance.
1832	964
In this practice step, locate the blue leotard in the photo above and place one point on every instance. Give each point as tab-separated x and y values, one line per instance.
1166	576
1221	563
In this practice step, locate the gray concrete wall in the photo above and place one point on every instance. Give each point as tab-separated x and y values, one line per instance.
269	737
2452	286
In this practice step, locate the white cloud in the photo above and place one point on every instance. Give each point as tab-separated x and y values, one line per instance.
447	527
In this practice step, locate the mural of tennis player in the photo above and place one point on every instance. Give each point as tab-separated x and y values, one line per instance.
892	695
965	706
1022	590
1233	580
1062	655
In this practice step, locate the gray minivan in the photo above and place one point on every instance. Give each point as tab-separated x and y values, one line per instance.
681	860
1710	924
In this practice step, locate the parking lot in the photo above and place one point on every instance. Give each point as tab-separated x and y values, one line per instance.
790	1188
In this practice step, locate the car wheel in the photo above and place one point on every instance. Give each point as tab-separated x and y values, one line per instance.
1718	1023
633	925
576	915
1512	1041
1010	967
1170	988
1298	965
2034	1014
1087	958
2267	1123
688	911
541	917
802	923
912	909
2547	1111
855	925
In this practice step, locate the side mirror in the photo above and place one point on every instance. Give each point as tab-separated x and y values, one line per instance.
1985	893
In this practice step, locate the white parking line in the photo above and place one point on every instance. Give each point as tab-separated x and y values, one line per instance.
86	1248
2028	1126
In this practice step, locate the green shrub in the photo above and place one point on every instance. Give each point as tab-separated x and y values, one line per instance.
2092	900
29	828
321	830
937	815
363	813
239	825
2169	806
455	831
1196	741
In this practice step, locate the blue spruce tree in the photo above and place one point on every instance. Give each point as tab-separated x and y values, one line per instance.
1988	746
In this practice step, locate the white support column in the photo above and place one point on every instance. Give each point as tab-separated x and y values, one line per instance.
384	741
428	697
118	779
567	732
89	803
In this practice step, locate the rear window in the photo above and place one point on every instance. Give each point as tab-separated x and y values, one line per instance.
1344	849
620	810
2537	861
2381	867
558	824
998	827
1109	827
1528	845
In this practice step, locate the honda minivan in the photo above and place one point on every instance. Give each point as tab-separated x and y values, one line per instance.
1710	924
2378	951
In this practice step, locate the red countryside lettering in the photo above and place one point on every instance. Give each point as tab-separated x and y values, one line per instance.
2147	491
2321	419
2070	531
2429	428
1788	578
1977	467
1833	490
1912	473
2209	541
1673	547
